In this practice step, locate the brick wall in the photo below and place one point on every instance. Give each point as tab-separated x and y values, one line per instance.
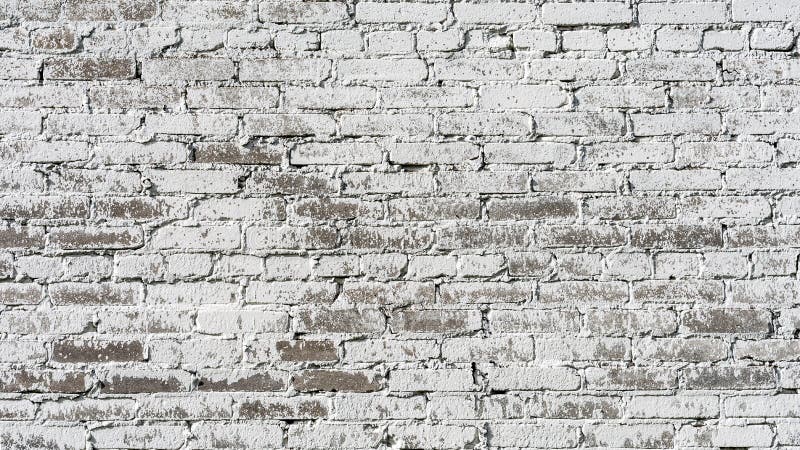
431	224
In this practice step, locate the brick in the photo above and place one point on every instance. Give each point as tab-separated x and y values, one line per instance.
37	436
544	41
582	349
288	125
672	69
252	321
575	407
598	13
777	236
687	406
97	351
534	378
444	41
728	377
674	180
200	124
570	70
583	291
216	435
432	97
340	320
285	70
332	435
588	40
140	97
205	12
407	70
139	437
307	12
434	436
533	321
767	350
110	10
724	40
44	381
435	321
532	208
568	236
522	97
751	10
400	13
494	12
133	153
678	40
475	236
780	405
201	292
21	208
242	381
373	350
73	294
270	238
480	69
89	68
131	381
353	406
449	380
93	125
19	69
72	238
485	292
761	71
682	13
489	124
629	379
615	322
730	97
688	350
330	98
304	407
595	97
675	123
199	238
42	96
771	39
412	125
640	435
22	123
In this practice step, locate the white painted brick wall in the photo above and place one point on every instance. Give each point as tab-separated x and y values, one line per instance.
408	224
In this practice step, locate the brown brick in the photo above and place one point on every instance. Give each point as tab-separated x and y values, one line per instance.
336	381
436	321
241	381
95	293
44	381
97	351
108	10
135	381
70	238
283	408
89	68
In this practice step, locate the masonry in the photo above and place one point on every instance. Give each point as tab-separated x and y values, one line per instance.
250	224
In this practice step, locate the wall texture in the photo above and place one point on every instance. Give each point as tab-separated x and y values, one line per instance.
256	224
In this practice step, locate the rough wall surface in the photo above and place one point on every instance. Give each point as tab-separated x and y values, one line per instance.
433	224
